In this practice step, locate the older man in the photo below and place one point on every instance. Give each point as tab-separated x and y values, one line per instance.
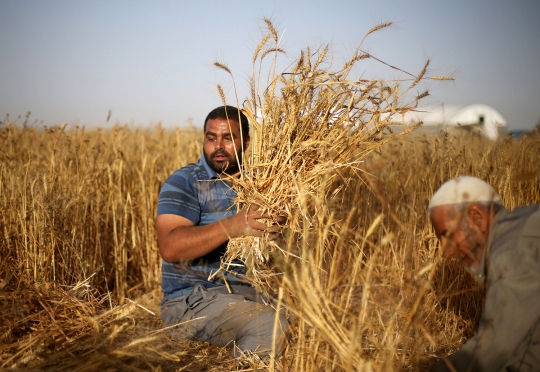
196	218
502	249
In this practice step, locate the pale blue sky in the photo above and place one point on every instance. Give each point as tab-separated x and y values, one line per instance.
149	61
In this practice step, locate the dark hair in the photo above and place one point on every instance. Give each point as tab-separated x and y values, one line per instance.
231	113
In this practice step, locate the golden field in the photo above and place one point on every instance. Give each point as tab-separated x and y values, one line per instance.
366	288
358	268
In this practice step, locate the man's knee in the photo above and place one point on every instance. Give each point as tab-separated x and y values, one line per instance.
227	320
264	331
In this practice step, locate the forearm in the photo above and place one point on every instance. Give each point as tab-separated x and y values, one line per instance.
191	242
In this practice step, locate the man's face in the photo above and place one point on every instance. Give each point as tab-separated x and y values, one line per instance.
223	145
459	237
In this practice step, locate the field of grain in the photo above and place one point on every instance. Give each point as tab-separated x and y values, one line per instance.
366	290
358	267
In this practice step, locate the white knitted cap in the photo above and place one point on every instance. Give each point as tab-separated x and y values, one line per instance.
462	190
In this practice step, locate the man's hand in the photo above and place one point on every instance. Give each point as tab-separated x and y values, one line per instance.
246	223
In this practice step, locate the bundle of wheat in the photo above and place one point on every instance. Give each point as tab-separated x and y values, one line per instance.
311	124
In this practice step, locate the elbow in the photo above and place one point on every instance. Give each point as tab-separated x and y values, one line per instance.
171	254
166	253
167	258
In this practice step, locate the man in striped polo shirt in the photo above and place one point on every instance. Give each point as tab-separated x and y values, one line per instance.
195	219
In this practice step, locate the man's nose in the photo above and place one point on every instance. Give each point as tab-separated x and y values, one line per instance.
218	144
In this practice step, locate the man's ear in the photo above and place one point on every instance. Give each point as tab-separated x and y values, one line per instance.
478	217
246	142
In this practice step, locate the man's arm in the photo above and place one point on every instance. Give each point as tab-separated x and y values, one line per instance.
180	239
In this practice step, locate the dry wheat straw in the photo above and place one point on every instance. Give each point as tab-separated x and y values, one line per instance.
355	256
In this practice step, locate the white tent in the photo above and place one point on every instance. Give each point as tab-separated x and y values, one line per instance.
482	118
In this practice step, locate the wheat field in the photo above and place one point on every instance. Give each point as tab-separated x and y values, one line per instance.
80	269
358	267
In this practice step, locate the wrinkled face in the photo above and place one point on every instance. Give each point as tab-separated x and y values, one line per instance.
223	146
459	238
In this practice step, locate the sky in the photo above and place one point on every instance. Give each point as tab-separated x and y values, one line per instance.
149	62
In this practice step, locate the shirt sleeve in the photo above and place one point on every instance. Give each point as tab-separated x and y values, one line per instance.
179	196
511	318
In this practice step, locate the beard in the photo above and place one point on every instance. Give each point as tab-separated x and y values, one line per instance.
229	165
472	239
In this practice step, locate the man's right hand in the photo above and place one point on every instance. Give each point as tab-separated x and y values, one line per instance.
248	224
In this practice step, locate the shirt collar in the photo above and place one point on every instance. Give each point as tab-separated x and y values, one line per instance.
211	173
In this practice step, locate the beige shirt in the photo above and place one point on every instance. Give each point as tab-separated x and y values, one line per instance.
508	336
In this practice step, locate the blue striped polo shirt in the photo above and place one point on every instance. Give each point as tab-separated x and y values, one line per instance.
197	193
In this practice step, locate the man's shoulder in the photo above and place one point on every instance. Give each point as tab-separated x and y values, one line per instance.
531	221
514	231
521	212
520	218
194	171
